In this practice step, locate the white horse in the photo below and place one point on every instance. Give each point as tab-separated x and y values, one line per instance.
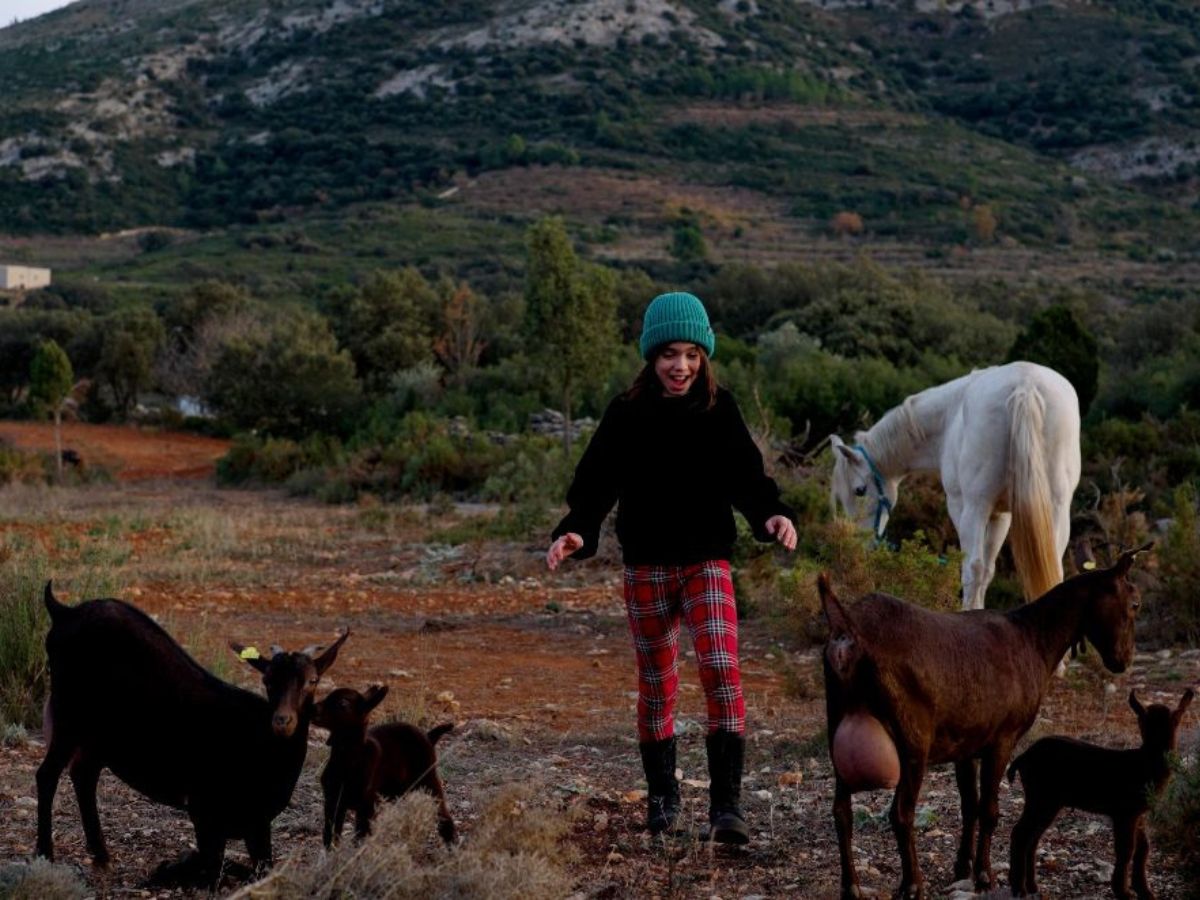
1006	442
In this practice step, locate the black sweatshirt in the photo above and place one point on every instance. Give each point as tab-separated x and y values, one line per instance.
675	469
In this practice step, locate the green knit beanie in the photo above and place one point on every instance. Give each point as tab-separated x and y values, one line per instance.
677	316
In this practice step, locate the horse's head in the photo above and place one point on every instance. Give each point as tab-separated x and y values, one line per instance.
862	490
1115	601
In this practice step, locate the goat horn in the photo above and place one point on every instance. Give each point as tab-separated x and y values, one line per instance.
276	650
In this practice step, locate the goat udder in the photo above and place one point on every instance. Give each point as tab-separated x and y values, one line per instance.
864	755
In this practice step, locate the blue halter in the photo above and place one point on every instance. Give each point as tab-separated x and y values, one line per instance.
881	501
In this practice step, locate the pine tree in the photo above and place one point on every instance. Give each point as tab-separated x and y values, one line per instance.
570	315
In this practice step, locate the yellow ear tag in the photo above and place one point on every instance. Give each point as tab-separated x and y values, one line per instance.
1089	565
250	653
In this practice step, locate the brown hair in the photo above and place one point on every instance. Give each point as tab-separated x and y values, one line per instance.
703	392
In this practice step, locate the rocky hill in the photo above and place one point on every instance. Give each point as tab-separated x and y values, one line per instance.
918	124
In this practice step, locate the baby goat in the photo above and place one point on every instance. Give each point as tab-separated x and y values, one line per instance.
1120	784
386	761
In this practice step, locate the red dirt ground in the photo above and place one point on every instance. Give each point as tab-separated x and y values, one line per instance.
537	673
130	453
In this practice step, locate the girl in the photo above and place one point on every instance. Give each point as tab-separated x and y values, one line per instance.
675	455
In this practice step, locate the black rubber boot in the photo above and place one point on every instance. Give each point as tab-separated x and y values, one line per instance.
726	754
662	801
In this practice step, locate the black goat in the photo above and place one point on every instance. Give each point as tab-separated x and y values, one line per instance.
1059	772
387	761
125	696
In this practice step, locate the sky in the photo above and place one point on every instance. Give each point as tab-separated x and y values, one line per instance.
26	9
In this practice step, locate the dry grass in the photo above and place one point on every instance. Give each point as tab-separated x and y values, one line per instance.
514	852
41	880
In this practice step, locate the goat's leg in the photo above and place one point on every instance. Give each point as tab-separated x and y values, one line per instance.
903	815
991	770
843	820
58	754
339	819
258	846
85	776
968	792
196	868
364	812
332	799
1141	855
1123	841
1018	857
432	783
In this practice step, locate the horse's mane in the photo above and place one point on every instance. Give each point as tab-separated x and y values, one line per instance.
895	436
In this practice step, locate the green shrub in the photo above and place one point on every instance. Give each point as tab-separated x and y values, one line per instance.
1176	818
16	466
24	678
1179	569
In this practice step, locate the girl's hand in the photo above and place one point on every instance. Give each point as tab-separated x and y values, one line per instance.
570	542
782	529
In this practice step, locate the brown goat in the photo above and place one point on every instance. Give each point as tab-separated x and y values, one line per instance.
1059	772
914	688
387	761
125	696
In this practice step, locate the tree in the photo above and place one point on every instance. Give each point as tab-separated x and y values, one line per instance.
131	339
51	378
288	378
983	224
386	325
570	315
459	346
1055	338
687	240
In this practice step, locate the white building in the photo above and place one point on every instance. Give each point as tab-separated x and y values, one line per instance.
23	277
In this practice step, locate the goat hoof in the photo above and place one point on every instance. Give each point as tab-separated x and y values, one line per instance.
190	870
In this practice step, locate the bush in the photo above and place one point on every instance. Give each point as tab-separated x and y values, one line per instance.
24	677
1179	570
1176	817
19	467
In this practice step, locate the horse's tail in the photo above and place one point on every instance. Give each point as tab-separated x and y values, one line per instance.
1031	536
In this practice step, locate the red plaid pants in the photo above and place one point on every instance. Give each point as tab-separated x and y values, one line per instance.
656	598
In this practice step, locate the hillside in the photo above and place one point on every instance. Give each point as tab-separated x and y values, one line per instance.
1054	129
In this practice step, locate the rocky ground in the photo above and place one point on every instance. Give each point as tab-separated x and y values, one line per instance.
537	673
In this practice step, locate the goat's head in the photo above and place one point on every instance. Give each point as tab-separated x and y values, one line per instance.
1159	724
1115	601
346	708
290	679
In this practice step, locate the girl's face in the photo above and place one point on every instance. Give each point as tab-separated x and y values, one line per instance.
677	366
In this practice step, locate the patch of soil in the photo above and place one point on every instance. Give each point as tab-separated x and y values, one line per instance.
537	673
130	453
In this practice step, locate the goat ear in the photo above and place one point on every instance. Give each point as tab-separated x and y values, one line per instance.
249	655
1135	705
375	694
325	660
835	613
1125	560
1184	702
